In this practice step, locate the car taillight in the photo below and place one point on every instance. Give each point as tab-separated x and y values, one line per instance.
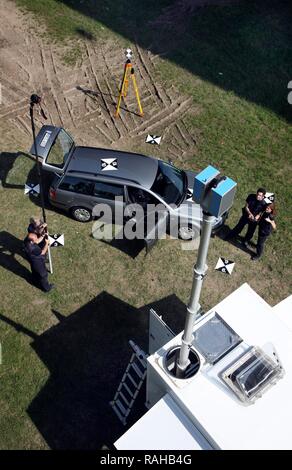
52	193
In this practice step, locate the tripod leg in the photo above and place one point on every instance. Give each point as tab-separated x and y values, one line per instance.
137	93
118	105
123	90
126	82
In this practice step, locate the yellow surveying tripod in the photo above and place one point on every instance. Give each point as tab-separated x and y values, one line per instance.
128	69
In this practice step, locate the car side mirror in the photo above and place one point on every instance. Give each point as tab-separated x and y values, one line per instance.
170	161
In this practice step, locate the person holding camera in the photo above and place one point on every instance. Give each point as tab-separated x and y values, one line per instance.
251	213
266	225
36	248
37	226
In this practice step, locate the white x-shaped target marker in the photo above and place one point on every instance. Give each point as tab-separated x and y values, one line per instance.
189	194
129	53
153	139
109	164
269	198
56	240
31	188
225	266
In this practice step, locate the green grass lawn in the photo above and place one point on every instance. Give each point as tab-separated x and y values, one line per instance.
63	354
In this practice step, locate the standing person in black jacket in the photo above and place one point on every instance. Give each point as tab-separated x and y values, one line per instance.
266	225
36	258
251	213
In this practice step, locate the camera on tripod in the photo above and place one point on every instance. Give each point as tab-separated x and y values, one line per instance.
35	99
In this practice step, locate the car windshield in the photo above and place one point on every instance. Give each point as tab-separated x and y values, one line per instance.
170	183
60	149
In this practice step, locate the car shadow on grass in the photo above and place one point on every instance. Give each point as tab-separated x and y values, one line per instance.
131	248
26	171
86	354
7	162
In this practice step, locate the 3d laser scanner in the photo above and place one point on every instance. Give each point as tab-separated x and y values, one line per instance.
213	192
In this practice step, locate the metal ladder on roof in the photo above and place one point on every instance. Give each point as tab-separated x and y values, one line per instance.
130	384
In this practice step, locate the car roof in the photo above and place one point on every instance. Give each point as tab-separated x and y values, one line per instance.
133	167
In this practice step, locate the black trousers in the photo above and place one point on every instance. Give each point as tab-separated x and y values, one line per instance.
243	221
261	243
40	276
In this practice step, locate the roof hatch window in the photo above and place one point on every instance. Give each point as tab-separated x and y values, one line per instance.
215	339
253	373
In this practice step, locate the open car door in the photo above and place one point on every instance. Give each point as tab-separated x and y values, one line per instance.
157	230
53	146
149	222
150	215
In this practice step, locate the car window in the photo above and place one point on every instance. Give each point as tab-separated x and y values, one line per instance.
108	191
60	149
140	196
77	185
170	183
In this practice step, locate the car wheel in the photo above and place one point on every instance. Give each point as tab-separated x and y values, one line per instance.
187	233
81	214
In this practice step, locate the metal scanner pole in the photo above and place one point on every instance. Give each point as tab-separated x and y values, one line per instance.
200	270
36	100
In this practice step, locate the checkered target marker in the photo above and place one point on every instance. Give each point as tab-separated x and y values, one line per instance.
225	266
269	198
109	164
153	139
56	240
129	53
189	195
32	188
